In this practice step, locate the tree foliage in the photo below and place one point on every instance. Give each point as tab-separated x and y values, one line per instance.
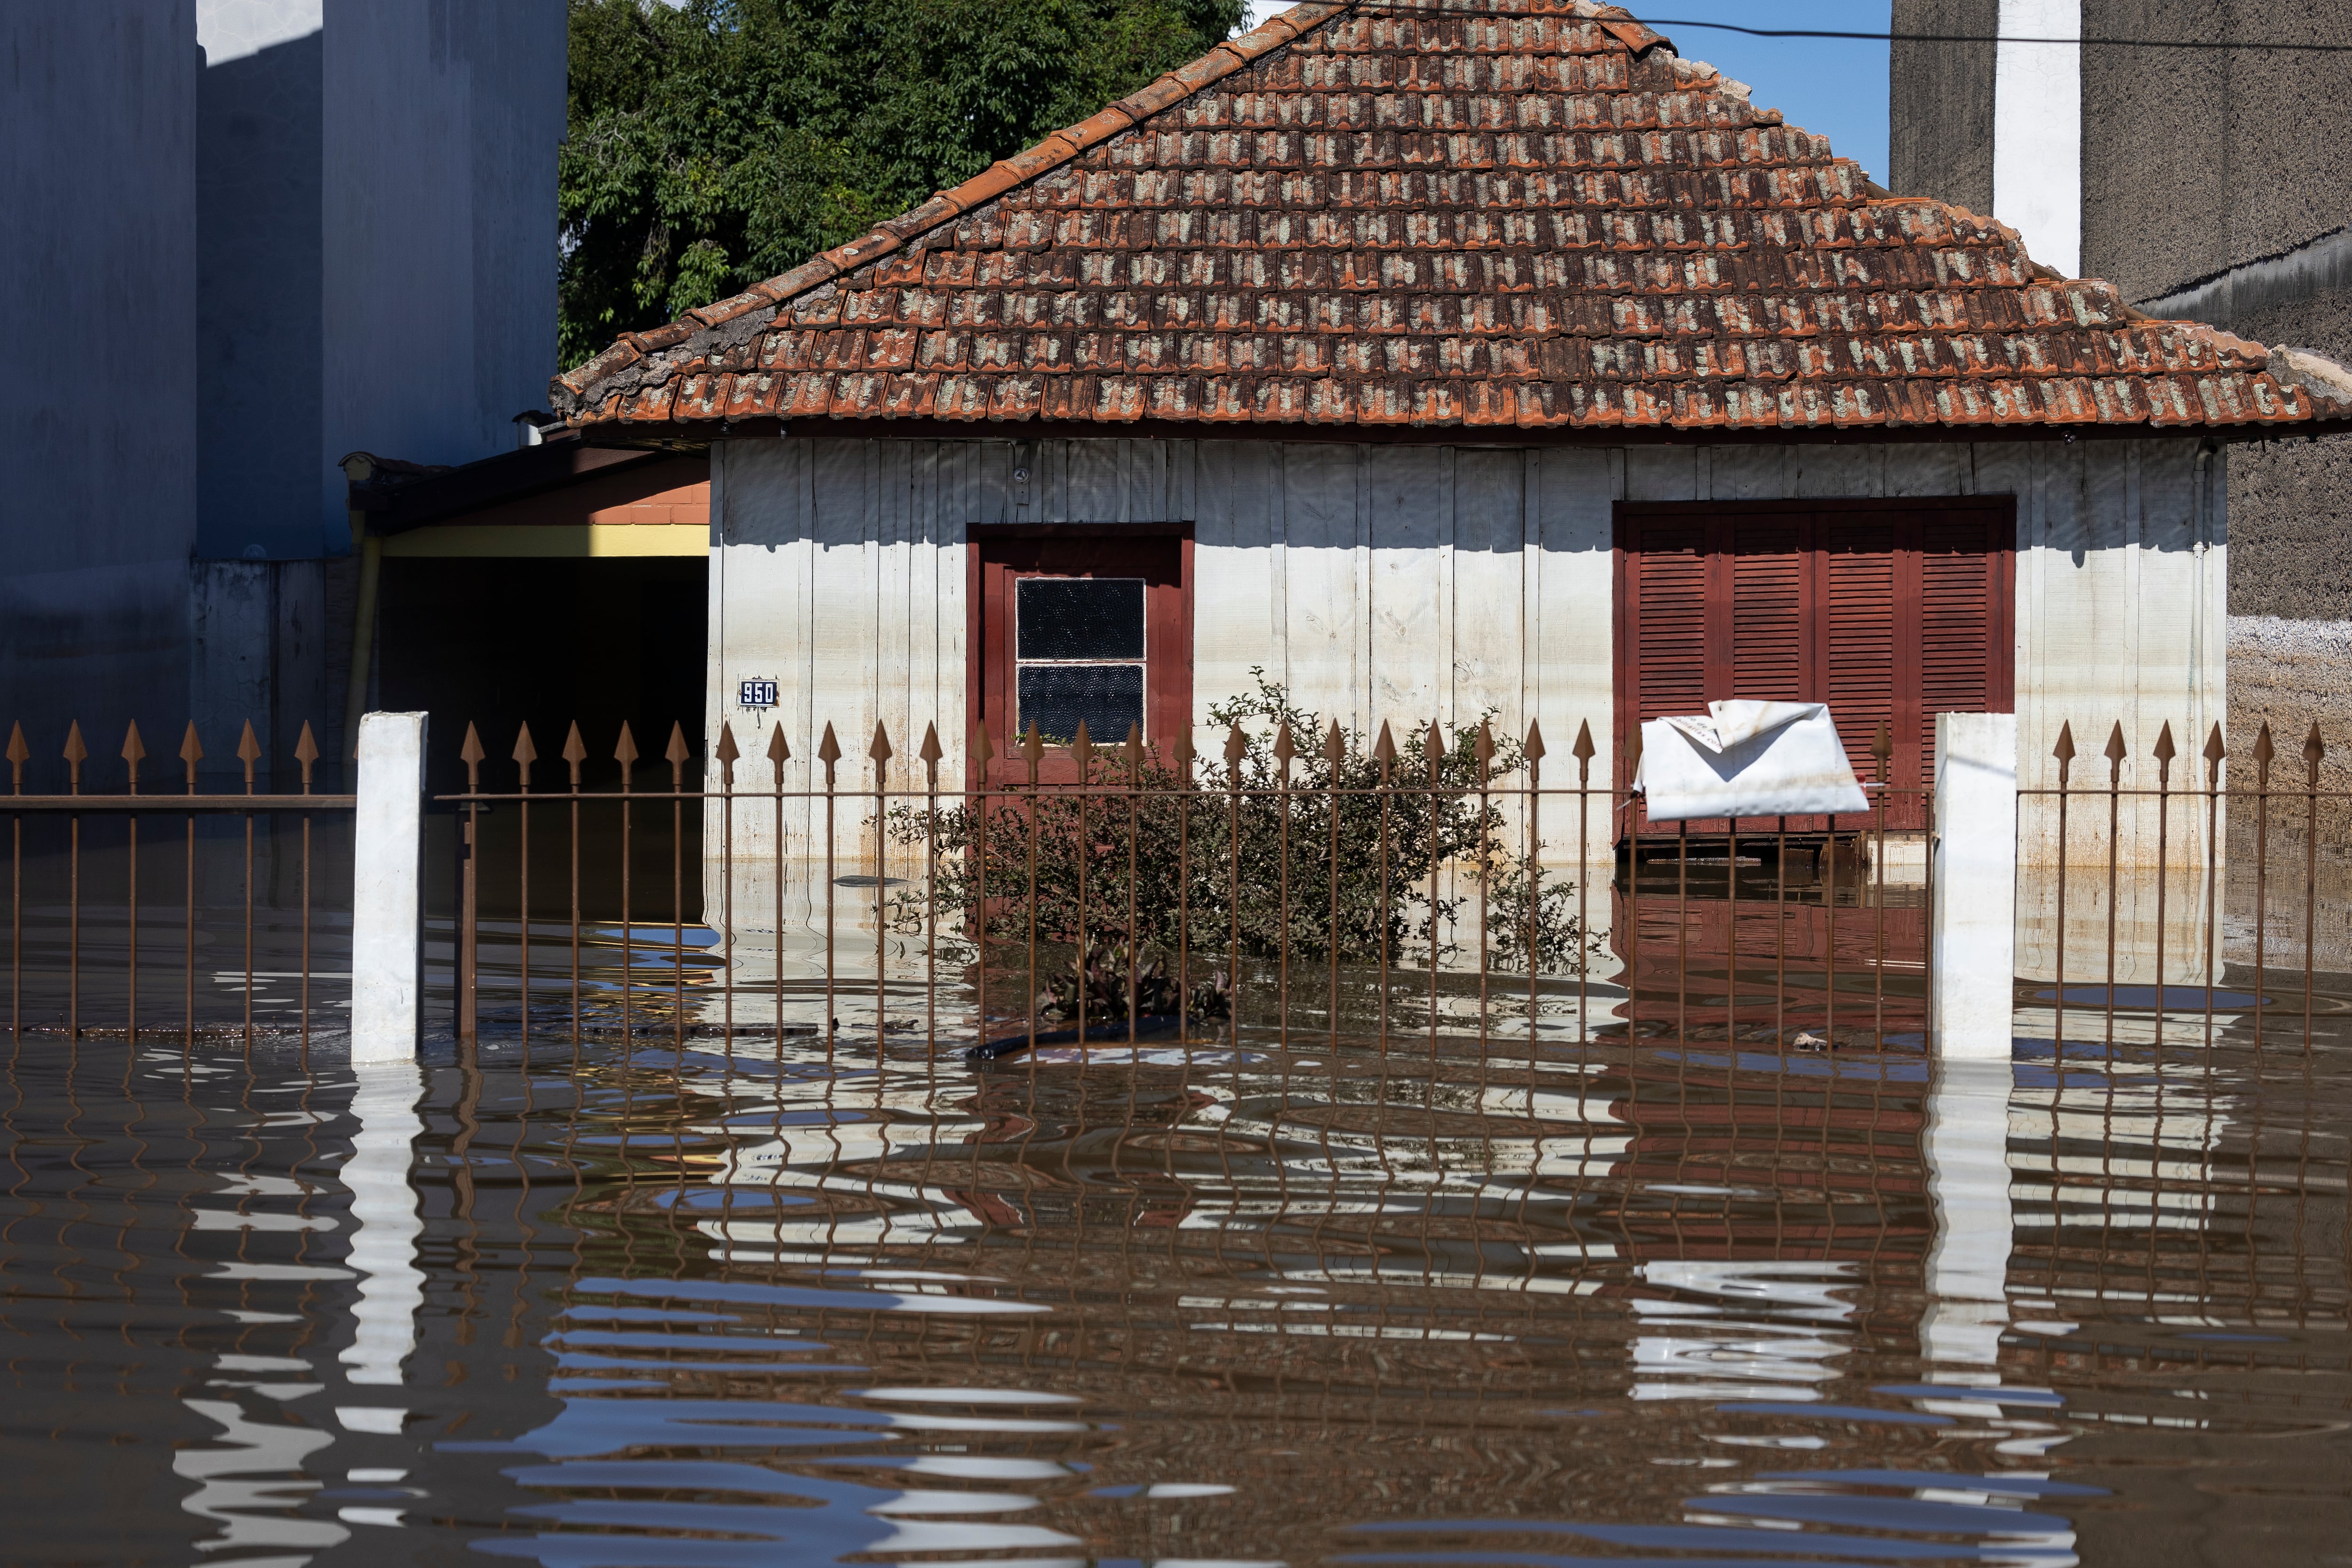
715	143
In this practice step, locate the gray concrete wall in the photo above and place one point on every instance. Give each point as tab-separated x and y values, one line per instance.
438	229
98	474
1940	103
257	268
2213	188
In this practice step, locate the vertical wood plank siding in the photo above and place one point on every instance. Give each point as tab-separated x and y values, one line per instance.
1387	581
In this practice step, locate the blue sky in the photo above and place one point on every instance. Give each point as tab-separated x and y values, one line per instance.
1833	88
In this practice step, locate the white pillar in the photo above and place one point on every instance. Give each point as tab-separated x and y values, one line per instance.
2037	129
387	897
1973	931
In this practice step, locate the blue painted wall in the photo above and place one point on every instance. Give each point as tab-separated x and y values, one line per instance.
98	469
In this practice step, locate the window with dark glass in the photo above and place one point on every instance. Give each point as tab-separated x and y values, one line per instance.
1078	655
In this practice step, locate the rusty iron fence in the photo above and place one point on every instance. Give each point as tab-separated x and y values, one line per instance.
1076	894
92	893
2200	896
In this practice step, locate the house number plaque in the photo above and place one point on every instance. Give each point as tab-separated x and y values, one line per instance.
758	694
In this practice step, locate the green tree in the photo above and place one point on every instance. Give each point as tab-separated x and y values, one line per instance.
717	142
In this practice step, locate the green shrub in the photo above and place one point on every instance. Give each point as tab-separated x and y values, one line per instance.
1229	861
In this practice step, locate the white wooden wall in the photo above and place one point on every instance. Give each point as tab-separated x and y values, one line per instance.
1400	582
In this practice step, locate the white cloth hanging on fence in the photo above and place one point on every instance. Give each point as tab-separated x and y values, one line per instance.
1745	759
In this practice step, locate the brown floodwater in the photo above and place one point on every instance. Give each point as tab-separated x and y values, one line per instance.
637	1303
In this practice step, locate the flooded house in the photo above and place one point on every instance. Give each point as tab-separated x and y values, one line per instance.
1445	366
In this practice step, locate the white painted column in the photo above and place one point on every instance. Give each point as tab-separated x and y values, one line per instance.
1973	925
1967	1148
387	896
2037	129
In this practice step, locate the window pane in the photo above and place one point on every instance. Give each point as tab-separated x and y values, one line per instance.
1079	617
1109	697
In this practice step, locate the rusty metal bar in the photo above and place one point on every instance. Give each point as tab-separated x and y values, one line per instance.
2116	753
1082	752
75	754
2314	751
727	755
828	751
2164	752
191	751
133	753
931	752
1032	752
1384	752
470	922
523	755
1284	751
575	752
624	751
1532	749
2264	752
18	753
976	917
676	754
879	753
1482	752
1881	751
1335	757
2064	751
249	752
306	754
780	752
1134	906
1432	751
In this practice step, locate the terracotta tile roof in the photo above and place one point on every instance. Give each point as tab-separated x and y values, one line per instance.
1543	220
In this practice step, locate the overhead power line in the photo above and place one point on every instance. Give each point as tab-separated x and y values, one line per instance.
1395	8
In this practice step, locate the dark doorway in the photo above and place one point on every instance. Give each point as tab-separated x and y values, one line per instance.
496	642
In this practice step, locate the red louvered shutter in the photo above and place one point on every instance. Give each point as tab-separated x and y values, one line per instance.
1889	614
1963	624
1669	631
1766	645
1865	687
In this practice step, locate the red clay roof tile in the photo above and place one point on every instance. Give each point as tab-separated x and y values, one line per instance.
1544	220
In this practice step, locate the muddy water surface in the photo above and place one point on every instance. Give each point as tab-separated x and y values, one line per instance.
1695	1303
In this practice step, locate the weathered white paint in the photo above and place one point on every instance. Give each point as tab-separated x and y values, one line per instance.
1967	1147
387	866
2037	129
1970	1002
1383	581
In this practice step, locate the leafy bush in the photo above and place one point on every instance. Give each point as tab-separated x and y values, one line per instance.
1235	860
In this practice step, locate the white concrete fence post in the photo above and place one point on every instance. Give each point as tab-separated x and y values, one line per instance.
1973	932
387	893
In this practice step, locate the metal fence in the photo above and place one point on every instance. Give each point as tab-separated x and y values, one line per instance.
1293	885
227	899
1069	894
2202	896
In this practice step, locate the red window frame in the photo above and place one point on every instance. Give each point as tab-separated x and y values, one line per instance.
1000	554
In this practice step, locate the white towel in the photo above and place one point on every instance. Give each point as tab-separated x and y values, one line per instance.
1745	759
